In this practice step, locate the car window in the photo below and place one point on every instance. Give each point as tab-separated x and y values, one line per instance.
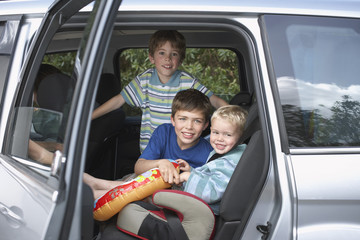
8	30
40	115
38	127
317	68
217	69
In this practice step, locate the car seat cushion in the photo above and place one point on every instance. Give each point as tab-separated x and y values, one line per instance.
136	189
150	221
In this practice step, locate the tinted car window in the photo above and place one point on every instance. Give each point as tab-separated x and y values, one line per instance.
39	118
8	30
317	68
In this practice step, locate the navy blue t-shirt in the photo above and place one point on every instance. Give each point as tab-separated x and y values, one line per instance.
163	145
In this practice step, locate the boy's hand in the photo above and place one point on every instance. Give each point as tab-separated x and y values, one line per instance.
184	176
168	172
183	165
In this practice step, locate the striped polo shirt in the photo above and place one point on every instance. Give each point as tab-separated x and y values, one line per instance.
155	98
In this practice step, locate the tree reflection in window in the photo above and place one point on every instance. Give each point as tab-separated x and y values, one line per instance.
310	128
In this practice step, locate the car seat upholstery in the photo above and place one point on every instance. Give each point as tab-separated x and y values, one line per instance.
252	124
192	220
243	99
55	91
109	86
103	128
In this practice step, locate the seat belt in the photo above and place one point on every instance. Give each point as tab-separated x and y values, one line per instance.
175	225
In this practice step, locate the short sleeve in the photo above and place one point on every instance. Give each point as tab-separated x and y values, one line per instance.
133	93
154	149
198	86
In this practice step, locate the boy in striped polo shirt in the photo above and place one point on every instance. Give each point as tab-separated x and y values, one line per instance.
153	90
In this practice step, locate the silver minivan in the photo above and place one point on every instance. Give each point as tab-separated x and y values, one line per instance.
294	64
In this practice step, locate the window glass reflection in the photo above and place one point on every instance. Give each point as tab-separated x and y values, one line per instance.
320	89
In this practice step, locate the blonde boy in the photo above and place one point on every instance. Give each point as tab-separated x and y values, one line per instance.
210	180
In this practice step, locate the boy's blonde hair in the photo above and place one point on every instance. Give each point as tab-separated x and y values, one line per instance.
176	39
232	113
190	100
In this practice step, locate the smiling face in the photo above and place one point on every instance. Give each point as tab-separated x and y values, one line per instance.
166	60
188	127
224	135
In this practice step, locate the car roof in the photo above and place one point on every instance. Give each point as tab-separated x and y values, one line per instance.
303	7
340	8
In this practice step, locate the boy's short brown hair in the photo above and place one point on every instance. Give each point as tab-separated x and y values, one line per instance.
176	39
190	100
232	113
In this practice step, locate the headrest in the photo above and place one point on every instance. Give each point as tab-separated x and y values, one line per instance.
55	91
243	99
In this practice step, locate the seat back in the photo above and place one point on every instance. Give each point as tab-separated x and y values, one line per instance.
109	86
55	91
102	153
252	124
246	182
53	96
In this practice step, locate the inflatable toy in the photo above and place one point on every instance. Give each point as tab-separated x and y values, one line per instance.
137	189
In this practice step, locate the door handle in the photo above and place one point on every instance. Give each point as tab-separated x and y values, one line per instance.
15	220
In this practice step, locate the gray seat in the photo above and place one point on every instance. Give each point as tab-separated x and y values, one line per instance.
54	94
109	86
102	153
55	91
243	99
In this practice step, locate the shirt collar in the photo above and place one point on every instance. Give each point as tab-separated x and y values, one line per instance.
173	82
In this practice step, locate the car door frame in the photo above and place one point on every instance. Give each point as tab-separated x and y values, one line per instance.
83	101
68	193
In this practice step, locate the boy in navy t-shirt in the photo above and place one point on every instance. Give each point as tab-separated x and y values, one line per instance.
181	139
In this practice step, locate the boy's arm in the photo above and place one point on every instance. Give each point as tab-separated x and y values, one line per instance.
40	154
209	181
167	169
217	101
112	104
184	176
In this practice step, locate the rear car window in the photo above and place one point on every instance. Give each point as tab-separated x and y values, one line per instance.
216	68
317	68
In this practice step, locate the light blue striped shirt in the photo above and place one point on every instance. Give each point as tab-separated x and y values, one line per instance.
155	98
209	181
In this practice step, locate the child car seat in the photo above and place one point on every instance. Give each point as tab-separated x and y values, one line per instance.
175	215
